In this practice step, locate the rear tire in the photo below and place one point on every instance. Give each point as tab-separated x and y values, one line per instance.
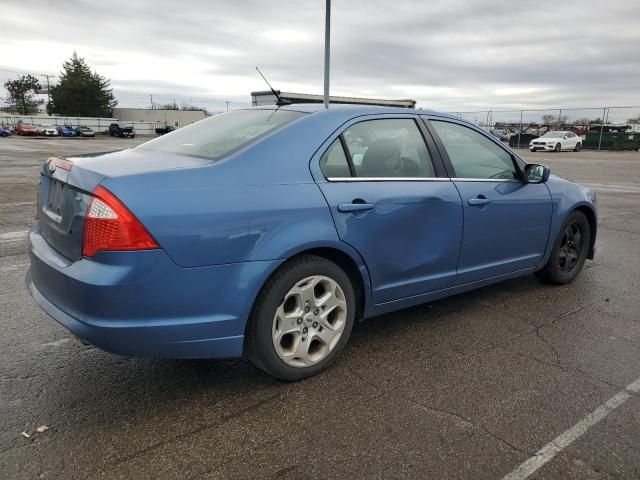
578	147
569	251
302	319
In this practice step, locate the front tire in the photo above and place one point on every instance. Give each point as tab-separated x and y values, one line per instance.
558	147
569	251
302	319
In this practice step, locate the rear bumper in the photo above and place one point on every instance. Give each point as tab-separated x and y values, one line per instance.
143	304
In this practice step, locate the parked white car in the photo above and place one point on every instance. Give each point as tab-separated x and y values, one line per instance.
48	131
556	141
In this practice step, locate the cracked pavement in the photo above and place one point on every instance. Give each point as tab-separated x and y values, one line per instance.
465	387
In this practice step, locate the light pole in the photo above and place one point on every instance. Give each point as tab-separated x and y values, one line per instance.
327	44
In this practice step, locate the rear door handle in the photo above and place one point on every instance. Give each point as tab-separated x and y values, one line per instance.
355	207
479	201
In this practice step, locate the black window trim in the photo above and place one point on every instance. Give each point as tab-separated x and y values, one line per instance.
434	155
347	155
427	119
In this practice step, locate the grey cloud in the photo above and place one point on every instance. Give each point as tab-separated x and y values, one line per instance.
570	53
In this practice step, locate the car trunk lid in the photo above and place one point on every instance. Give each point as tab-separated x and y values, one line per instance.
65	188
61	208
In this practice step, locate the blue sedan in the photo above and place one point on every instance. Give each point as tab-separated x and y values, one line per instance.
66	131
268	232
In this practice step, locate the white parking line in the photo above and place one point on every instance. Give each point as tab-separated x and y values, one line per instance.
11	237
10	268
551	449
15	204
613	187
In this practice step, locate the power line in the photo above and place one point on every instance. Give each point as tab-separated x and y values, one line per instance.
28	73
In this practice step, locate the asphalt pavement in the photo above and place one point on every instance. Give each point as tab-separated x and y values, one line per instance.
519	378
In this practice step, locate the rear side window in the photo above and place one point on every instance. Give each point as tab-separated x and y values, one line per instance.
388	148
473	155
221	134
334	162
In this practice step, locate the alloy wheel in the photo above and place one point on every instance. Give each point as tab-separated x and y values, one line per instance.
570	247
309	322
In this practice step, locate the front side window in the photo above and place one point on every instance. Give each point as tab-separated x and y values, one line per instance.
473	155
388	148
221	134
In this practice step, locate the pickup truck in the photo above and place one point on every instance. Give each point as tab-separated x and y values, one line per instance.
166	129
116	130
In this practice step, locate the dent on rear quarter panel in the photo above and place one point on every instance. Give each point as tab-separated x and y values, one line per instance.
201	223
261	203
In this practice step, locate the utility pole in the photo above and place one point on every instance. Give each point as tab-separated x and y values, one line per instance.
48	90
227	102
151	97
559	119
327	44
520	131
604	113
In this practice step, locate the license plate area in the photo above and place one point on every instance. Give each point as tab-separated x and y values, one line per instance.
61	216
55	201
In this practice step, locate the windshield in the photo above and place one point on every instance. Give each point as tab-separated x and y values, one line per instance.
219	135
553	134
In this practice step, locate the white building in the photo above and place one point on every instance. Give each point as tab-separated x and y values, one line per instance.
175	118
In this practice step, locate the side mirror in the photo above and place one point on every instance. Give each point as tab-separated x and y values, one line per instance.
536	173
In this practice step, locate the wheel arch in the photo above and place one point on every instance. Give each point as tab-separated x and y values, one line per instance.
351	268
350	262
593	227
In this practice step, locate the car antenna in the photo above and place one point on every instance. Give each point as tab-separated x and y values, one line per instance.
280	101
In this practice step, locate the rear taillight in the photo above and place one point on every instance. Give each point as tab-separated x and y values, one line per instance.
109	225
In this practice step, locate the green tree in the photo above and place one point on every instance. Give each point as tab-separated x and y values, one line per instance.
186	106
81	92
168	106
549	119
21	97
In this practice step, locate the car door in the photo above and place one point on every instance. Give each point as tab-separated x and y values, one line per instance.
392	202
506	221
565	141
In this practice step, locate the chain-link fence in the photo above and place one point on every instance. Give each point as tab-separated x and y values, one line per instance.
98	125
594	125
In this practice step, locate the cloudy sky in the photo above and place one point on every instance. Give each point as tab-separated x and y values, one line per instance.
449	55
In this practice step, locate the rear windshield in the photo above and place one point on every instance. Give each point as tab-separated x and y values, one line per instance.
221	134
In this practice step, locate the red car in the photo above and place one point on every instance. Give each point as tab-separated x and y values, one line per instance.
24	129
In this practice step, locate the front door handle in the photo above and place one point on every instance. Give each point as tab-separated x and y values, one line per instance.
479	201
355	207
